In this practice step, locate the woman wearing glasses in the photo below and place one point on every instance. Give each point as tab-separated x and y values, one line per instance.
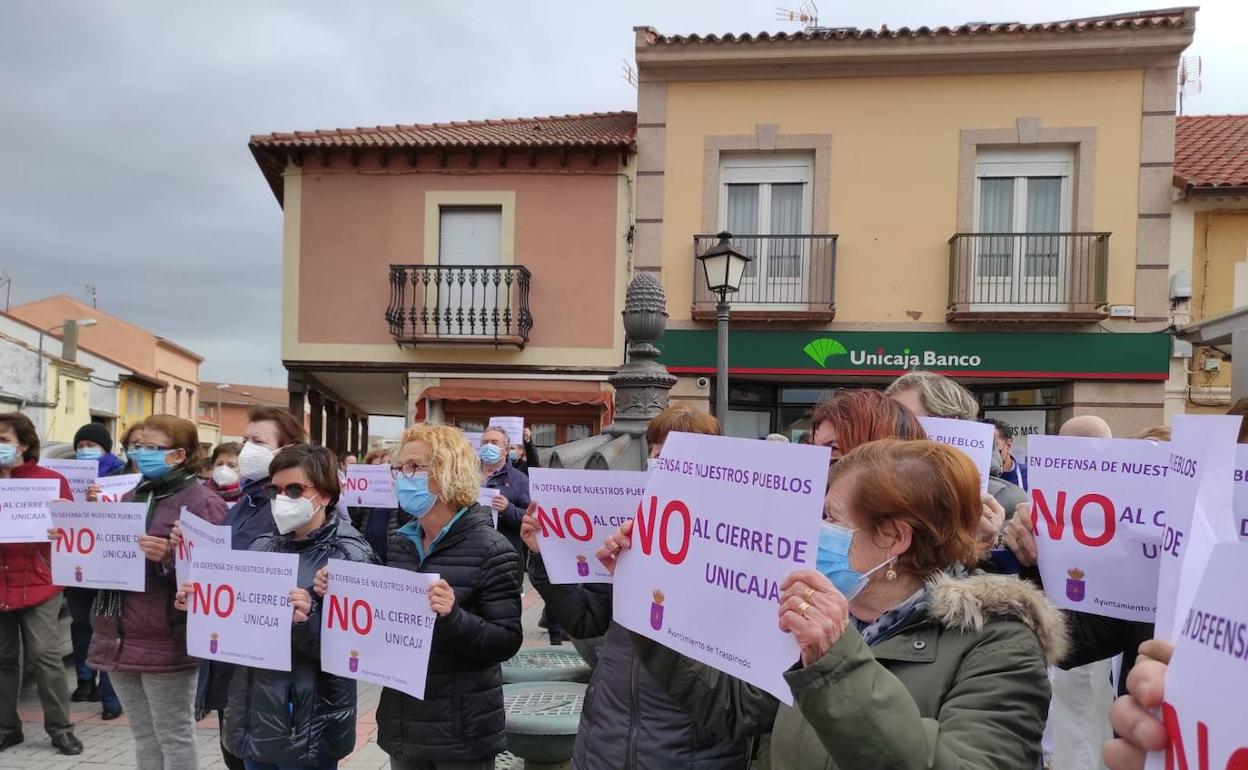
137	637
459	723
302	718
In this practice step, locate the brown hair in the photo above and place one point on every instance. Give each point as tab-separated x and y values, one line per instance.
859	415
931	487
182	435
1159	433
289	430
1240	409
317	463
375	454
128	435
26	433
228	448
681	417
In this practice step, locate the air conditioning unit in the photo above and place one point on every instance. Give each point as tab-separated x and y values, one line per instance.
1181	285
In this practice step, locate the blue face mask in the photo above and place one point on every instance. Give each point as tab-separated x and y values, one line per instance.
833	560
490	454
8	455
414	495
151	462
89	453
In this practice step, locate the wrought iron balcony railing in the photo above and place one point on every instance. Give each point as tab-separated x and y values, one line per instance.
1063	275
790	276
467	304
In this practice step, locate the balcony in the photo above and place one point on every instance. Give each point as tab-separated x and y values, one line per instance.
449	304
1028	277
791	278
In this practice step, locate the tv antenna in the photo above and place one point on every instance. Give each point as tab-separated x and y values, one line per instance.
630	73
6	281
807	13
90	287
1189	78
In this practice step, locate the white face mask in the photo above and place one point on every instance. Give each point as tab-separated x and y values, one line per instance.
224	476
291	513
253	461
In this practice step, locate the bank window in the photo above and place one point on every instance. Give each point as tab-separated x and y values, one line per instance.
1022	208
765	202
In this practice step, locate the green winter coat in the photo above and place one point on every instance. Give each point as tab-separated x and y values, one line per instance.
962	686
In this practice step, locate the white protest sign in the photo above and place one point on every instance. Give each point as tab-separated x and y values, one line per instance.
238	610
1205	710
369	486
474	439
1240	504
24	516
378	625
513	426
113	488
974	439
576	510
1088	499
722	522
197	534
1026	423
1198	510
98	546
79	473
485	496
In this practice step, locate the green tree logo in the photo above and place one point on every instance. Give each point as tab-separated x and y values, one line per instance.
822	349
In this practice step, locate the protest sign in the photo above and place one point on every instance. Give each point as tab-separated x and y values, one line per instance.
79	473
474	439
369	486
974	439
1205	710
513	426
485	496
98	545
238	610
197	534
24	516
1089	498
722	522
1198	510
576	510
378	625
1026	423
1240	498
113	488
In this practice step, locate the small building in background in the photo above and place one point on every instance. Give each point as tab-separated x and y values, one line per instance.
227	403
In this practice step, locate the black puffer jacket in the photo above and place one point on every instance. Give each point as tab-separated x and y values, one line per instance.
304	716
461	718
628	721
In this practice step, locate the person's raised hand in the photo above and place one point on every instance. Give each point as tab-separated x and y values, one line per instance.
320	583
1139	730
499	503
175	535
93	493
181	598
1019	537
991	519
300	604
441	597
529	529
615	544
156	549
813	611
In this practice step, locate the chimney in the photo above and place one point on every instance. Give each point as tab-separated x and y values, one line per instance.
69	341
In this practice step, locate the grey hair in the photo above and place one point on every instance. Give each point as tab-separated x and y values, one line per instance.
941	396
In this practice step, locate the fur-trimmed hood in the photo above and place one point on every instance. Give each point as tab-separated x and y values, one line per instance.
967	602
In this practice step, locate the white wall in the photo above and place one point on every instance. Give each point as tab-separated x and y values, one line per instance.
19	376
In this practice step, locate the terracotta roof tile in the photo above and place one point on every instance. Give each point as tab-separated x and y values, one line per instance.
1166	18
599	129
1211	152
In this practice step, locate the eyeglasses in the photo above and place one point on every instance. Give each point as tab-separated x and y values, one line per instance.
293	489
149	447
408	470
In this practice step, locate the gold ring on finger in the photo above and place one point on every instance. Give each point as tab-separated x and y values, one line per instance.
809	592
801	608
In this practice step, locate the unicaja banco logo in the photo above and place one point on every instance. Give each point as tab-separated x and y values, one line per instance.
824	349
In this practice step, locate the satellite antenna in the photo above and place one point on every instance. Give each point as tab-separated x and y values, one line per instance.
630	74
1189	78
807	13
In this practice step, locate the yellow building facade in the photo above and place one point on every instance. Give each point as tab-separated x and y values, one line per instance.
991	202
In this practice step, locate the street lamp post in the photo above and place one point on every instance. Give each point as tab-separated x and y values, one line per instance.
723	267
220	418
71	329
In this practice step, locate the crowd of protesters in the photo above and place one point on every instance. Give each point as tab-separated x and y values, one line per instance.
926	640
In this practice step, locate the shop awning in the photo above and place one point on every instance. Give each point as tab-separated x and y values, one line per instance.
500	396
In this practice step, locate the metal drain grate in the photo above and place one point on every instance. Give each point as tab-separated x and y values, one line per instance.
538	703
543	659
506	761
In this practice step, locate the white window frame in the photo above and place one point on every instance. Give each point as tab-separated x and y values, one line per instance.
1019	164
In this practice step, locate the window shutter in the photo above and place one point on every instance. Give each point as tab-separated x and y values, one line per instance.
471	236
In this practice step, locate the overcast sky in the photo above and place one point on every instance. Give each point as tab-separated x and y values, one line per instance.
124	125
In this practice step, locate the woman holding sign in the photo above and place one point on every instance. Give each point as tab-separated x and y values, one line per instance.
460	722
906	660
138	637
302	718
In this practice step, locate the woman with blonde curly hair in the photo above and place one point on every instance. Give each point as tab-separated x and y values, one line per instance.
460	721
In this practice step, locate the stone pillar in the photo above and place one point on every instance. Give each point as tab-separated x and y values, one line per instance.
340	430
316	422
354	443
364	447
331	425
296	404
